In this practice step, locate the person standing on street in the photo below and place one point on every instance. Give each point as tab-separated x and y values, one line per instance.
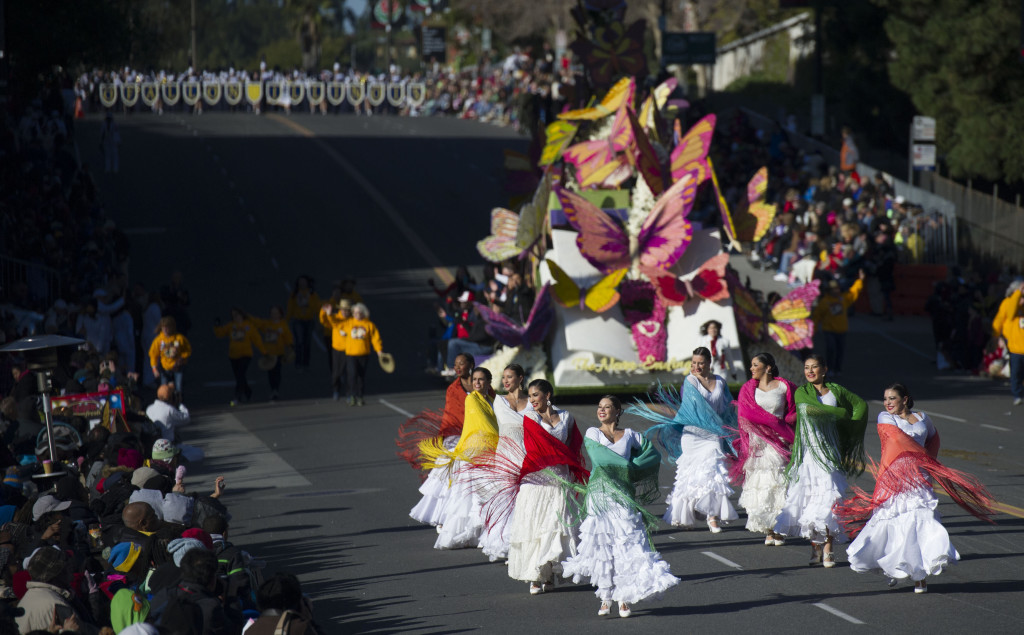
335	319
169	353
831	317
1009	328
363	337
243	337
302	311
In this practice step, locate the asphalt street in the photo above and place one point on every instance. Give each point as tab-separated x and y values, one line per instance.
242	204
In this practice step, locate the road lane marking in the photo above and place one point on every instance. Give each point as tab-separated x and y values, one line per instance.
986	425
725	561
849	618
392	213
401	411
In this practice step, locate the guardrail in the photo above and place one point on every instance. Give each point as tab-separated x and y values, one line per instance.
233	92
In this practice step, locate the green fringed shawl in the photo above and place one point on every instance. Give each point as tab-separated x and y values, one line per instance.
840	429
630	483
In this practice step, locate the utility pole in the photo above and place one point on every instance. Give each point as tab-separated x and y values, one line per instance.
195	55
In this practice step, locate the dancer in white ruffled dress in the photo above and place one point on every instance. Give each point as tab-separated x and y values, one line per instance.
829	446
766	415
508	409
541	534
615	549
435	489
463	521
904	537
704	419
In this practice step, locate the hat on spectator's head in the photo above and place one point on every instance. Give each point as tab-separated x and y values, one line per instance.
46	504
900	200
344	303
164	450
128	457
180	546
11	479
847	202
466	296
46	564
143	474
124	555
200	535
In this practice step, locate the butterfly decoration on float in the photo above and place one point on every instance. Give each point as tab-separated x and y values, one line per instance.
619	94
514	234
788	321
708	283
751	219
691	153
527	334
605	162
661	240
598	298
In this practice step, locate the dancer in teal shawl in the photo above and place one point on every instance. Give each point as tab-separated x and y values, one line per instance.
828	447
615	550
697	438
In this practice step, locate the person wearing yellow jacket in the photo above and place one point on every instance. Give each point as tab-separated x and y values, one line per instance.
363	337
1009	328
303	304
830	316
335	320
243	337
278	340
169	353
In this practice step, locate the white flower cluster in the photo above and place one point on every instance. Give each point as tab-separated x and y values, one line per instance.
641	206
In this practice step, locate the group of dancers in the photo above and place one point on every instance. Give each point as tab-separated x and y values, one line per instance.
506	473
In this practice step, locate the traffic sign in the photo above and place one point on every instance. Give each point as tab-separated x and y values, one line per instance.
693	47
924	156
923	129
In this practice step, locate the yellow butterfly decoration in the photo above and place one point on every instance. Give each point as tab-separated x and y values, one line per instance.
619	94
501	244
598	298
557	137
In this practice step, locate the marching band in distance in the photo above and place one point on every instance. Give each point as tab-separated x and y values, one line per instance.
520	482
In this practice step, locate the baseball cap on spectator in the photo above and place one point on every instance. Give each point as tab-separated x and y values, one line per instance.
900	200
163	450
143	474
466	296
200	535
180	546
46	504
46	564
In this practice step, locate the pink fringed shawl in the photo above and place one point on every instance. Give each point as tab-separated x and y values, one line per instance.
755	420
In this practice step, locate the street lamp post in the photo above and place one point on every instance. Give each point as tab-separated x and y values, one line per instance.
40	353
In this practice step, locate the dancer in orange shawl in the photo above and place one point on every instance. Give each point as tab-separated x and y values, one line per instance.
444	425
900	531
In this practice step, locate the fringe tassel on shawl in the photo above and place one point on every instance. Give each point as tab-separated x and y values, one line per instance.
417	429
909	471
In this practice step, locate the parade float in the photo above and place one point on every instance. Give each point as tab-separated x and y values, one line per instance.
624	277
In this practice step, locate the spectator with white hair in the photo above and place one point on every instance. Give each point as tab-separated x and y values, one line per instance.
363	337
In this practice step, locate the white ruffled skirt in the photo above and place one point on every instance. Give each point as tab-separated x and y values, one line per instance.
904	538
615	554
807	511
431	508
702	483
495	539
462	521
539	538
764	489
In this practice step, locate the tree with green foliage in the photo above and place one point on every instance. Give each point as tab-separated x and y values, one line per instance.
959	61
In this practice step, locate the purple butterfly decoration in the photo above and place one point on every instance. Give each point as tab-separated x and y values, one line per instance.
511	333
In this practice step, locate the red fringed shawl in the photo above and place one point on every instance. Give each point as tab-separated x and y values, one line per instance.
753	419
906	466
498	474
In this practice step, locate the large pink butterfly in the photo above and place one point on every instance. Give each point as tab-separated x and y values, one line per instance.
662	239
604	162
707	284
692	151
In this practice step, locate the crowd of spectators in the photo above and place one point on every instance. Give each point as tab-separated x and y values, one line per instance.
106	537
832	223
506	288
523	89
